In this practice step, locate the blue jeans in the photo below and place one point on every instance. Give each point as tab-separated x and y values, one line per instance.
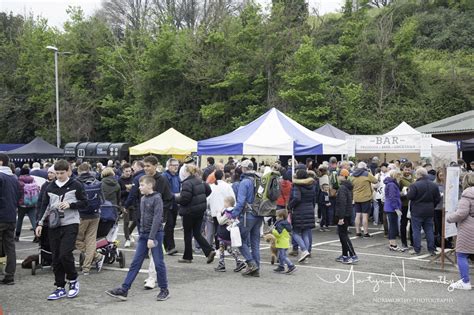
303	238
463	265
283	259
427	225
22	211
250	232
140	253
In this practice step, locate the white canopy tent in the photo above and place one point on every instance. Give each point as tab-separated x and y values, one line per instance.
404	141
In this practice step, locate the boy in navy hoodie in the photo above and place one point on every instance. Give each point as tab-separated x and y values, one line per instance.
151	237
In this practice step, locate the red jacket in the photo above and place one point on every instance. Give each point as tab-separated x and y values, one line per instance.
285	188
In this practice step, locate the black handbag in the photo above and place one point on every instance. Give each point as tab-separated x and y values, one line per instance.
54	219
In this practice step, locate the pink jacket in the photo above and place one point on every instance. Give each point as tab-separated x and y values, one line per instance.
464	217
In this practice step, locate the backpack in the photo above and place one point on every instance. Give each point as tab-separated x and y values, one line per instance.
31	192
333	184
267	191
95	198
108	212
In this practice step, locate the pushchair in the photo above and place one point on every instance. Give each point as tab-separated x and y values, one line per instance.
45	256
107	243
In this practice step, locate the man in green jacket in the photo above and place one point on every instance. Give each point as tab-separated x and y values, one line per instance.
362	180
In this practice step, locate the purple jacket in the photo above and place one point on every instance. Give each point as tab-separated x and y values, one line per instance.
392	195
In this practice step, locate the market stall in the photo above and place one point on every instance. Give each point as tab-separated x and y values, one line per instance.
403	142
170	142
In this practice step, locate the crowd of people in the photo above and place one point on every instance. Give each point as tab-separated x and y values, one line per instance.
63	202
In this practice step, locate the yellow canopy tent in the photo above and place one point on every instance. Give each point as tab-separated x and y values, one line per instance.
170	142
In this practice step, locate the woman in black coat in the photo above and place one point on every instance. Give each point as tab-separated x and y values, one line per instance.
192	204
302	202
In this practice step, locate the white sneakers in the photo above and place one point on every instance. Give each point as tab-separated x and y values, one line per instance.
150	283
127	244
460	285
304	255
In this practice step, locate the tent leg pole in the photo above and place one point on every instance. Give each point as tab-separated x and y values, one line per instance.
292	165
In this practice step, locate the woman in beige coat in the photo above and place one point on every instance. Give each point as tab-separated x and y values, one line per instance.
464	217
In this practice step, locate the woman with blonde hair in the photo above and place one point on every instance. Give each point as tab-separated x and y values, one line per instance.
392	207
464	217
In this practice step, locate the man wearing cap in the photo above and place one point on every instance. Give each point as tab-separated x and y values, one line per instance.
362	181
9	196
249	223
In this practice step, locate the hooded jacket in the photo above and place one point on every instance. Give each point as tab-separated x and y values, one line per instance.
424	196
344	200
464	217
163	187
9	195
282	232
245	193
193	197
392	195
302	202
111	190
151	215
73	193
362	181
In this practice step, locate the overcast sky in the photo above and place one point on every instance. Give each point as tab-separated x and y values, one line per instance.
55	10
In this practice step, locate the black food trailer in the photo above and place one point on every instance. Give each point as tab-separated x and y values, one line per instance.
97	150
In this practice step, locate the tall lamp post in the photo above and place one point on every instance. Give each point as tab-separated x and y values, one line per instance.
56	53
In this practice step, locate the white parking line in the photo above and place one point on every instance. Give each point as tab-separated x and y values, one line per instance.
352	238
350	271
375	255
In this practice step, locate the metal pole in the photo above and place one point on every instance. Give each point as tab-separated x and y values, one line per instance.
58	131
292	166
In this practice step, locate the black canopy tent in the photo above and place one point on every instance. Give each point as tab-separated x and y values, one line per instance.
467	145
467	151
36	149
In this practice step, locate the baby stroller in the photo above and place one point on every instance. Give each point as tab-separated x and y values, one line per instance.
107	243
45	256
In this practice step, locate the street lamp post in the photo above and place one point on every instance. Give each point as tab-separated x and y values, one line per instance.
58	130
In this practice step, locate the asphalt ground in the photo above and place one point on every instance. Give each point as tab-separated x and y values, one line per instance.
381	282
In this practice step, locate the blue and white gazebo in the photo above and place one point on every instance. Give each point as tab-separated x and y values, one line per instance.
273	133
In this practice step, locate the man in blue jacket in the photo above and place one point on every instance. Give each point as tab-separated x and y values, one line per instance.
9	198
171	174
249	223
